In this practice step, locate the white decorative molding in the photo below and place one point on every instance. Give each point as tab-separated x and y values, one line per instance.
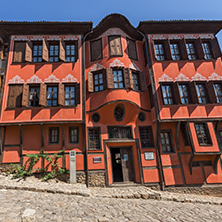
182	77
52	79
97	66
134	66
46	37
165	78
70	78
16	79
113	31
34	79
215	76
198	77
116	63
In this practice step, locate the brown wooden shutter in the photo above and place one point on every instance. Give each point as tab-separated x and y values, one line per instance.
167	49
109	78
211	92
19	52
199	48
115	46
131	78
216	48
131	46
193	92
45	51
154	50
61	97
90	82
183	49
77	93
42	95
127	78
143	84
176	93
118	46
1	52
28	51
96	50
104	78
144	52
25	95
18	92
62	52
11	96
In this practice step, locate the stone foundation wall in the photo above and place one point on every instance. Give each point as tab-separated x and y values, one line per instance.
97	179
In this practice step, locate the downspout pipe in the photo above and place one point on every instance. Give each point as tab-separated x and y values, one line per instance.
84	109
156	106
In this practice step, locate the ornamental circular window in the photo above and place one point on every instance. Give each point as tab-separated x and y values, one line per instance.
96	117
142	116
119	112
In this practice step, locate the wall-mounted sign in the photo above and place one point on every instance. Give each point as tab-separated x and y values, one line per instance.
97	159
149	155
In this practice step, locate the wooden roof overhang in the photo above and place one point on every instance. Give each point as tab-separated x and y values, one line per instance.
180	26
115	20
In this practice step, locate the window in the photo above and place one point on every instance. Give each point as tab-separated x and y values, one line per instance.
185	134
184	93
218	91
207	50
167	94
98	82
37	52
166	141
115	46
203	135
202	93
191	51
146	136
175	51
118	79
73	134
70	96
131	46
135	81
53	51
94	138
54	135
52	96
71	51
119	112
119	132
33	96
159	51
96	50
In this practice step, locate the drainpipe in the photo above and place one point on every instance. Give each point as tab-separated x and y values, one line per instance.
84	109
156	106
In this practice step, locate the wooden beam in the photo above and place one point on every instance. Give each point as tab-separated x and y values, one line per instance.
140	162
217	127
21	144
178	135
43	145
215	163
63	147
191	163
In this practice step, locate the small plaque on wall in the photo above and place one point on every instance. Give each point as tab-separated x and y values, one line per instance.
149	155
97	159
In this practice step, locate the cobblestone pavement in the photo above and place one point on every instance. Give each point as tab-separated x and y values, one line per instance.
61	207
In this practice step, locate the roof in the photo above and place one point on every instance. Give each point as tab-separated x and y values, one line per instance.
180	26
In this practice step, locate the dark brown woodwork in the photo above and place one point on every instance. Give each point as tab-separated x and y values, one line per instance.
43	145
153	49
63	147
1	147
90	82
77	94
45	50
178	136
42	95
25	95
115	46
14	96
19	52
183	49
61	95
21	144
109	78
62	52
96	50
193	92
131	46
28	51
211	92
176	93
167	49
199	48
126	73
216	48
143	84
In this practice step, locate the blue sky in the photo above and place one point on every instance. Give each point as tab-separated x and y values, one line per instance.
96	10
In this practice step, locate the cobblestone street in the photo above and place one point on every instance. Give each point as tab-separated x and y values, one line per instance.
61	207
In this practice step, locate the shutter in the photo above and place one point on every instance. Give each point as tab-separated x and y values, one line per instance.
61	97
96	50
19	51
144	52
167	49
45	51
25	95
77	93
176	93
131	78
90	82
62	52
211	92
11	96
1	53
115	47
199	48
216	48
18	92
42	95
143	84
118	46
183	49
104	78
131	46
193	92
28	51
154	50
109	78
126	77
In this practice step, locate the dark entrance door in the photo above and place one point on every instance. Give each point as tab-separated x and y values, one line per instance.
122	164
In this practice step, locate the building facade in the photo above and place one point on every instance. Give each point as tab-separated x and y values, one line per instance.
138	105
